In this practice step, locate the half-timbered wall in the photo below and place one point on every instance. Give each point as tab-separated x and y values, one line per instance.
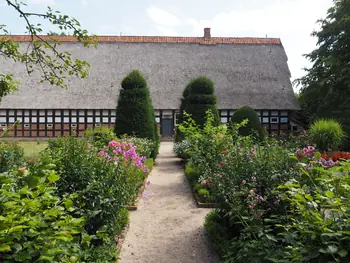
63	122
54	122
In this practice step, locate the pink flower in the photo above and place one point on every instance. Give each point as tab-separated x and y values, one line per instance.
112	144
148	182
101	153
259	197
251	206
260	214
291	169
244	182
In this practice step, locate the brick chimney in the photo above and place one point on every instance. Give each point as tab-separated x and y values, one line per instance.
207	32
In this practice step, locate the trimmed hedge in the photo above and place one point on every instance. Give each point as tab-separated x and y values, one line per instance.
198	97
253	127
135	114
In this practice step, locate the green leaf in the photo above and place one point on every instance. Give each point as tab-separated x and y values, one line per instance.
309	197
329	194
5	248
333	249
53	177
343	253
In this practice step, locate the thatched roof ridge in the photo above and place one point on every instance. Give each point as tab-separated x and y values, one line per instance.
151	39
244	71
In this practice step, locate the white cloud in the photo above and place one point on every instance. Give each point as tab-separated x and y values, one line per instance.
166	31
42	2
162	17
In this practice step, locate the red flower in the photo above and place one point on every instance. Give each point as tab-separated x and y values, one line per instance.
223	150
221	164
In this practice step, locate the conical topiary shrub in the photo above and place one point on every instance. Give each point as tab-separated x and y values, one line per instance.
135	114
198	97
253	127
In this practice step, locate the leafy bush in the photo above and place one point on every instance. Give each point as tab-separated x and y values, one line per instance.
253	127
326	134
198	98
11	156
103	184
144	147
135	114
217	232
36	224
180	149
100	136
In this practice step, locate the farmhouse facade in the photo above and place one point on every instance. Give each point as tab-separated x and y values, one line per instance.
246	72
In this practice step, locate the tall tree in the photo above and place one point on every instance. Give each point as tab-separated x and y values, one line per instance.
42	53
325	89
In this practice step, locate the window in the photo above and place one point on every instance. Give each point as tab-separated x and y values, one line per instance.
112	119
156	112
224	119
11	120
177	118
2	119
284	113
49	119
26	113
66	120
74	113
90	112
223	113
57	119
274	113
98	119
66	113
81	119
49	112
26	119
274	119
74	119
231	112
265	120
90	120
265	113
34	119
105	120
42	113
105	112
11	112
157	119
42	119
284	120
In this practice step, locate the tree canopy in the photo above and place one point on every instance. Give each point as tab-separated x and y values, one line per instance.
42	54
325	91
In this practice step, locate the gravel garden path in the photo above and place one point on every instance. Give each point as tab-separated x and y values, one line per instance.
167	227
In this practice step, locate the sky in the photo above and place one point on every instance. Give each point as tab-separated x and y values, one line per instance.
292	21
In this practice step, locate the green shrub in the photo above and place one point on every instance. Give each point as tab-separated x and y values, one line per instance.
135	114
192	173
326	134
36	224
198	98
217	232
253	127
101	188
11	156
100	136
181	149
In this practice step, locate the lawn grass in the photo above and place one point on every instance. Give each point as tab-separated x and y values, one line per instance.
32	149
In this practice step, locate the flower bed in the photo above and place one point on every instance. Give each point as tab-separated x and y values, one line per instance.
80	193
273	204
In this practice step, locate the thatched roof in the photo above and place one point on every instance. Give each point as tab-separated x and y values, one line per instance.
246	71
